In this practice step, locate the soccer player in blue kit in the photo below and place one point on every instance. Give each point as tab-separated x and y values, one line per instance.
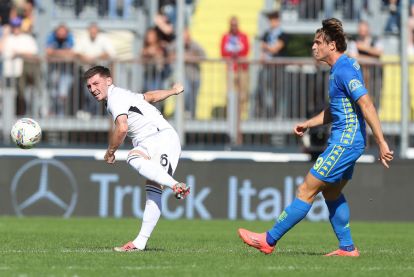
349	107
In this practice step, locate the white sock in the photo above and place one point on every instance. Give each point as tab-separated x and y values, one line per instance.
152	213
151	170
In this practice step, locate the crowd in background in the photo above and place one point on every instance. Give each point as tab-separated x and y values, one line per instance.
20	54
69	56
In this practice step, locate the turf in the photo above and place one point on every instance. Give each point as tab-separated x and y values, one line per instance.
82	247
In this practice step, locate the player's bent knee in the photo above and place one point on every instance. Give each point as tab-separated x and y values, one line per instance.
307	193
331	195
135	159
154	184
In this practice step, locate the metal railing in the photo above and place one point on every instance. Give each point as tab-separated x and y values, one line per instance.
254	104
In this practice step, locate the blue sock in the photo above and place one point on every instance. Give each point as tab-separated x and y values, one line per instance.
339	217
294	213
271	241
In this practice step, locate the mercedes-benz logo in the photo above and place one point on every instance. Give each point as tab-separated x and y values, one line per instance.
41	185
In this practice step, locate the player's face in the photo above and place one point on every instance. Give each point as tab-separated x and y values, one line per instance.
321	49
98	86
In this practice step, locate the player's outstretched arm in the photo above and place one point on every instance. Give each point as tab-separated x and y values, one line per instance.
371	117
322	118
155	96
117	138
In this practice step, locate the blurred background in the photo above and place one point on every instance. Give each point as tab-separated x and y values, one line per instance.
246	66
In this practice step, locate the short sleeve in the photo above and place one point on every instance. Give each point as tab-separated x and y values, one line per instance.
118	108
121	105
265	37
353	84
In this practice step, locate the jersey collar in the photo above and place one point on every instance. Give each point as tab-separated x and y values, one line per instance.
338	61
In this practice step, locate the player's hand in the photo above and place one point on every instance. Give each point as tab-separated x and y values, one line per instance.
386	155
300	129
178	88
109	157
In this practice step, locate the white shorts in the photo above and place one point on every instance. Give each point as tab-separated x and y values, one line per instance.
164	148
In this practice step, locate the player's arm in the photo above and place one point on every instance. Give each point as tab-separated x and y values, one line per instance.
371	117
322	118
117	137
155	96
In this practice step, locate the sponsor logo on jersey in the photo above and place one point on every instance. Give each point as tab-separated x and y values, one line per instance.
354	84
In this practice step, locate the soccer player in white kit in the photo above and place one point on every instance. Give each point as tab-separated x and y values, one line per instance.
156	144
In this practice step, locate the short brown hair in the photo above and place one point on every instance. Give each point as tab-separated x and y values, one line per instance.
332	30
99	69
272	14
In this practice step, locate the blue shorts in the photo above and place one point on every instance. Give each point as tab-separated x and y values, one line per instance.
336	163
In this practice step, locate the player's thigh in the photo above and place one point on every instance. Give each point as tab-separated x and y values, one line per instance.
166	150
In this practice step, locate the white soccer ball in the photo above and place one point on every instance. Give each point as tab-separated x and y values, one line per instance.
26	133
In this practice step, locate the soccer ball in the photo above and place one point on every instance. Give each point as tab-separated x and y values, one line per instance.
26	133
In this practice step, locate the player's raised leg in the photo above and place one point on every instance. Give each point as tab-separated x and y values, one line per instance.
153	171
294	213
339	218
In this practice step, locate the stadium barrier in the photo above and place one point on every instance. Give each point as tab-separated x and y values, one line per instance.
245	107
245	185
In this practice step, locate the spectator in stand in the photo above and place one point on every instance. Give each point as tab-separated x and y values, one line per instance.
169	8
5	10
95	46
102	6
164	29
21	67
27	15
365	44
193	54
155	59
235	49
273	45
393	21
119	8
59	51
92	49
411	29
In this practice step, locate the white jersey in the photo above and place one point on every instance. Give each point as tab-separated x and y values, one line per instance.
144	119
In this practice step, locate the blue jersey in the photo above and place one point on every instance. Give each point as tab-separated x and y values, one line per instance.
346	86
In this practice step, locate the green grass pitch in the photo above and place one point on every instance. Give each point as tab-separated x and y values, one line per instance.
82	247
